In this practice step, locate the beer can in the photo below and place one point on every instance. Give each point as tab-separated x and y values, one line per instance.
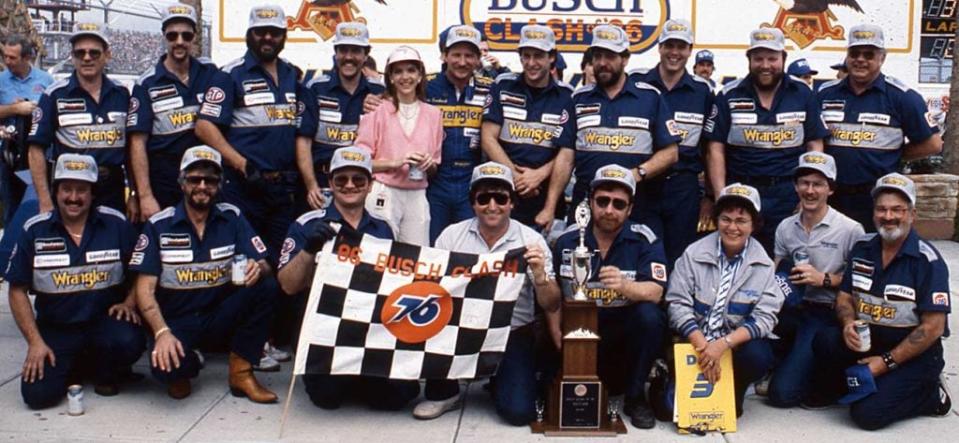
75	400
416	174
11	130
239	269
801	257
327	197
865	337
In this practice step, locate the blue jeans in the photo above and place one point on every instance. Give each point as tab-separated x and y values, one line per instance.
679	210
632	339
791	379
449	204
113	344
751	361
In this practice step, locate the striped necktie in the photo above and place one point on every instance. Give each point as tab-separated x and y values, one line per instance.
714	323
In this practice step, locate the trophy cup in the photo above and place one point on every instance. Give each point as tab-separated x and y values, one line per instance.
582	259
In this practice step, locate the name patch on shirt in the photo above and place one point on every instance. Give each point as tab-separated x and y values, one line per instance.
899	292
744	119
176	256
102	256
507	98
75	119
260	98
791	117
634	122
71	105
47	245
51	261
175	241
879	119
514	113
218	253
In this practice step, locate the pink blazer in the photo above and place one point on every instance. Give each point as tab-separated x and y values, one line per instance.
380	133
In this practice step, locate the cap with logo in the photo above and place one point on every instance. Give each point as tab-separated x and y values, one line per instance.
767	38
199	154
896	182
704	56
866	35
841	66
403	54
492	171
351	157
614	174
610	37
463	34
89	30
817	161
859	384
537	37
677	29
267	16
800	67
741	191
76	167
351	33
178	11
792	292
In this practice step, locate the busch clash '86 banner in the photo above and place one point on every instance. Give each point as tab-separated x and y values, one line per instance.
387	309
815	29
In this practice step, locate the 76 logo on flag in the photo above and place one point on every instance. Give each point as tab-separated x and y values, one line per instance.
416	312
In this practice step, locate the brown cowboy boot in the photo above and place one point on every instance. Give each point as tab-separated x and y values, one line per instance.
179	389
244	384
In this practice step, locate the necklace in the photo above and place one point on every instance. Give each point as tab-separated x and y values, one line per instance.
409	111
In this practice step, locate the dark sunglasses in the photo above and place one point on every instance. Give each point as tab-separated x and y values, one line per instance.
187	36
618	203
81	54
498	197
197	179
274	32
359	181
867	54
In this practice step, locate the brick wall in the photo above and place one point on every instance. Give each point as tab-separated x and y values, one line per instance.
936	205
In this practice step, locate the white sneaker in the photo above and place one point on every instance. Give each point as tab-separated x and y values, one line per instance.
199	357
276	353
762	386
429	409
267	364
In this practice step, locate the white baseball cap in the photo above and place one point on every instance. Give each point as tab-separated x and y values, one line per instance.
492	171
677	29
88	29
267	16
768	38
351	156
614	174
818	161
76	167
403	54
352	33
741	191
201	153
866	35
463	34
537	37
176	11
610	37
896	182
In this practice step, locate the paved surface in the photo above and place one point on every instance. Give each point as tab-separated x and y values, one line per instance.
143	412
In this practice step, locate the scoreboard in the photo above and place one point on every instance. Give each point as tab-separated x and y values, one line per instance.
938	29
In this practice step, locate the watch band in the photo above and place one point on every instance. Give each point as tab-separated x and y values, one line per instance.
889	361
826	281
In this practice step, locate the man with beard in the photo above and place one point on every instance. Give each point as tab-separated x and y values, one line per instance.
163	110
705	66
527	121
628	280
186	291
759	127
898	286
618	121
351	177
673	196
870	115
333	105
70	119
73	259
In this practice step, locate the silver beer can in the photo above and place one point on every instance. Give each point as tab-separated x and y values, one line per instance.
75	400
239	269
416	174
865	337
327	197
801	257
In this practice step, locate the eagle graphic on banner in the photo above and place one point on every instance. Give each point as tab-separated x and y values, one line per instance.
805	21
322	16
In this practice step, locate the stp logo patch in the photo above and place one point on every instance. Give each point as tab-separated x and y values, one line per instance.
214	95
416	312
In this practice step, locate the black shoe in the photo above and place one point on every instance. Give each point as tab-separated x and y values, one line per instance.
641	416
106	389
815	402
945	400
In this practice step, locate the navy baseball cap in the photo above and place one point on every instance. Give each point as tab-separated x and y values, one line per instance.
704	56
800	67
859	384
841	66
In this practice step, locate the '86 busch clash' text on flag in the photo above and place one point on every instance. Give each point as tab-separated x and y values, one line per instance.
387	309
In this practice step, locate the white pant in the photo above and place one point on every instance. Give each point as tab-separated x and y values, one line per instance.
405	210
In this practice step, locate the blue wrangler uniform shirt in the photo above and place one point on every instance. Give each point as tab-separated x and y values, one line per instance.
296	236
868	130
332	114
637	252
764	142
191	271
71	121
893	299
260	115
691	100
74	283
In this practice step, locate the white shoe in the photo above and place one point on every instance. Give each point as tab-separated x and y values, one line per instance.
762	386
429	409
267	364
199	357
276	353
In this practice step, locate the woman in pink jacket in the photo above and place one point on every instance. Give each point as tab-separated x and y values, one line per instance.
404	136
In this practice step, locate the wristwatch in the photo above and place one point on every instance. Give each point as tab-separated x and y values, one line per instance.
826	281
889	361
642	173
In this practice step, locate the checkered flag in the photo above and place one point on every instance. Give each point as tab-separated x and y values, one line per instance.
388	309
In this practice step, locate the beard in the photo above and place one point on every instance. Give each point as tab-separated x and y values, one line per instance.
196	201
605	78
262	54
891	234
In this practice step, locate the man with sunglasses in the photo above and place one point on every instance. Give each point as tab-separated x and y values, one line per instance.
186	291
163	110
870	116
70	120
333	104
690	98
628	279
515	388
758	128
527	120
351	174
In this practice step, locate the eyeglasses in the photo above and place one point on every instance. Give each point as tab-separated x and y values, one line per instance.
81	54
273	32
740	221
499	197
187	36
359	181
867	54
604	201
197	179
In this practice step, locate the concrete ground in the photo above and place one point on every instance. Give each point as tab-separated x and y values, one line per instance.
143	412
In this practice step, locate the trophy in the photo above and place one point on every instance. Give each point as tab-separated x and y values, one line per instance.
582	259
